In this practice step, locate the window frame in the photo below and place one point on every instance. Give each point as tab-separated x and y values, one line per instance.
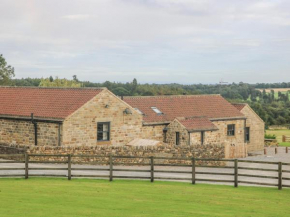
248	138
139	111
177	138
202	137
231	132
156	110
108	132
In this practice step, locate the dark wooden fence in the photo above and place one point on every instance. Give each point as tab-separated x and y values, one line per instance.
154	166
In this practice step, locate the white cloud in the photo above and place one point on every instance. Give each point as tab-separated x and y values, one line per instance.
154	40
77	16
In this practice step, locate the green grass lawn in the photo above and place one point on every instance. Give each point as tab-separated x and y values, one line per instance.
284	144
279	134
76	198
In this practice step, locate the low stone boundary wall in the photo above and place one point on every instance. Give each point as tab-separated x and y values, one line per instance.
12	149
197	151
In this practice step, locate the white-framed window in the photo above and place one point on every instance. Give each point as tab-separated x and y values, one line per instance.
103	133
156	110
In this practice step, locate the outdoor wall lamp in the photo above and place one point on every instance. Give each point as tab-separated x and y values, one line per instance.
127	111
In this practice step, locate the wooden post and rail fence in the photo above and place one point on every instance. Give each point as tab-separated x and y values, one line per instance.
108	165
285	138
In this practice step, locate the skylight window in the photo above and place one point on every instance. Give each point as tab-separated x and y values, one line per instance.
156	110
139	111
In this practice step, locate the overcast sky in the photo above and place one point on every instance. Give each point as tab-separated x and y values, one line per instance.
155	41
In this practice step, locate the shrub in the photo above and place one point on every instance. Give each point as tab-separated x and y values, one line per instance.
269	136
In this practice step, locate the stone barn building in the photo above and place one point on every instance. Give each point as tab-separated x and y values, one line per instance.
255	127
95	116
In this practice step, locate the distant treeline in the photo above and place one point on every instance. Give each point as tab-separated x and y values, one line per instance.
273	85
273	108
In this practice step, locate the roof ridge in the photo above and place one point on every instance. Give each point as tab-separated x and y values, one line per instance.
191	117
171	96
60	88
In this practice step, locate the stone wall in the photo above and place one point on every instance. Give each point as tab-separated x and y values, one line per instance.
257	129
12	149
195	138
235	145
174	127
22	132
220	136
81	127
209	151
154	132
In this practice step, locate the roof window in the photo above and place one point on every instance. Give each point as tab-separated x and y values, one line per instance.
156	110
139	111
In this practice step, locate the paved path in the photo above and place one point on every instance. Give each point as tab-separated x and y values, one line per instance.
271	157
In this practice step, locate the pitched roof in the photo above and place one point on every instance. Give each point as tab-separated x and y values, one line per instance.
54	103
210	106
239	106
197	124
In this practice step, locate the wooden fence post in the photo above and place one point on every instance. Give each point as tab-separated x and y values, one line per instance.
26	165
236	173
111	168
69	167
152	168
193	170
280	176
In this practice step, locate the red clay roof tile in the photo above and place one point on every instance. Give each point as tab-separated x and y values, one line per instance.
239	106
56	103
210	106
197	124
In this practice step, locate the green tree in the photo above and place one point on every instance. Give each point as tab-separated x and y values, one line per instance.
57	82
121	91
134	86
6	72
75	78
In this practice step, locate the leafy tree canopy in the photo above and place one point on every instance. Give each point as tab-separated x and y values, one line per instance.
58	82
6	72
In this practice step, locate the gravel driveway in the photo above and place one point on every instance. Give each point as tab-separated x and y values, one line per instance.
271	157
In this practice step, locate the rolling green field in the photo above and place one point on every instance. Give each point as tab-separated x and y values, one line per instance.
279	134
77	198
276	91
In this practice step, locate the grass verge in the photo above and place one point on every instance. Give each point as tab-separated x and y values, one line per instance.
279	134
81	197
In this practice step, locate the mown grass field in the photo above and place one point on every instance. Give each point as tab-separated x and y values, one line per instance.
77	198
279	134
276	92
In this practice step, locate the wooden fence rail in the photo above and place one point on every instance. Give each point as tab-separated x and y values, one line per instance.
237	169
285	138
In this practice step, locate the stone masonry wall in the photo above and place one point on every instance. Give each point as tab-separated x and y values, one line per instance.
81	127
220	136
257	129
195	138
22	132
12	149
174	127
235	145
210	151
154	132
